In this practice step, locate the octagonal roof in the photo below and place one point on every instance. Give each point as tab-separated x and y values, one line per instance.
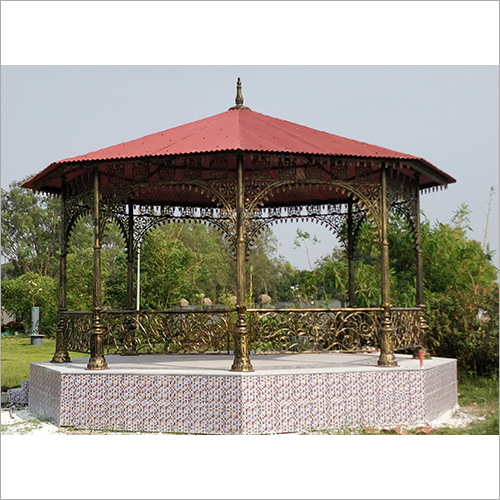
238	129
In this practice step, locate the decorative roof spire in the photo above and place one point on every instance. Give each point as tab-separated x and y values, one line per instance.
239	97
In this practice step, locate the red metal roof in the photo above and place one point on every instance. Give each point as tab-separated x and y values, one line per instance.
240	129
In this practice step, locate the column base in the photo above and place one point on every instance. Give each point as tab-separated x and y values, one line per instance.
387	360
97	363
61	357
242	365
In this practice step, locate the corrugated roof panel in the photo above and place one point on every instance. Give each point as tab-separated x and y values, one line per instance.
238	129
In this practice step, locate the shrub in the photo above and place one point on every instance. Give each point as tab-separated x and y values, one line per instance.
12	326
21	294
464	325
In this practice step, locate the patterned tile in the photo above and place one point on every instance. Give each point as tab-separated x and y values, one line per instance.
440	390
247	404
20	396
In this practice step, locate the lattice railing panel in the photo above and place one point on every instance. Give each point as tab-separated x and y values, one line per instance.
154	331
78	328
271	330
314	330
406	324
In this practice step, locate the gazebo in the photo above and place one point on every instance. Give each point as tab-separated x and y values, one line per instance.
240	171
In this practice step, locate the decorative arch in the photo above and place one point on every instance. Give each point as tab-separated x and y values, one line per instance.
74	215
406	212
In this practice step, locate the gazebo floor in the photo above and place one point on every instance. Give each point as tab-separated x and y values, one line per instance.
198	394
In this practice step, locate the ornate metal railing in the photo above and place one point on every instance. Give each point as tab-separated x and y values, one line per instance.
167	331
77	328
271	330
313	330
407	329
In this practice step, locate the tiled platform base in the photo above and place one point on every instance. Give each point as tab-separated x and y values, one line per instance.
20	396
165	396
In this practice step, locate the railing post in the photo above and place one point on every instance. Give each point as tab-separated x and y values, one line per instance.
130	257
424	328
350	256
97	360
241	361
352	284
387	357
61	354
420	276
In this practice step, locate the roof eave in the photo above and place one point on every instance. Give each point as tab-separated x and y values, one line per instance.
423	167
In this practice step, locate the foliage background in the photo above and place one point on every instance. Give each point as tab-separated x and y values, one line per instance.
193	261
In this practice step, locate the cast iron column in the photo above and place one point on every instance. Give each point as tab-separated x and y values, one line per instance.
241	361
387	357
129	323
130	257
350	256
420	276
97	360
61	354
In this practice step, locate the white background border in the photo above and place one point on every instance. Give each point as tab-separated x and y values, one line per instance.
138	33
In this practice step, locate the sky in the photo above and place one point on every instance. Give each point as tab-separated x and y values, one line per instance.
416	77
448	115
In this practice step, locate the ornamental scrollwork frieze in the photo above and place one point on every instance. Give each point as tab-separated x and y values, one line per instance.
402	188
298	167
146	217
80	189
223	193
168	168
366	196
331	216
403	198
257	193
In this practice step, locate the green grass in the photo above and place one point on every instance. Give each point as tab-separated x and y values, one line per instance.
18	353
477	390
477	396
488	427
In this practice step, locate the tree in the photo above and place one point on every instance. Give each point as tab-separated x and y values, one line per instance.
212	278
330	278
464	325
169	270
460	285
451	260
30	232
80	267
285	282
115	283
461	293
262	266
302	241
19	295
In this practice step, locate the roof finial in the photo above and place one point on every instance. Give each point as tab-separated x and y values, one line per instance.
239	97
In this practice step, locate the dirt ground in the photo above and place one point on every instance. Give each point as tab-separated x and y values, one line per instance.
21	421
